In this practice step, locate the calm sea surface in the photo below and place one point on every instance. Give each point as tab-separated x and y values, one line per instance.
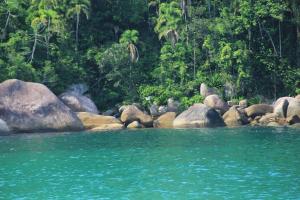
220	163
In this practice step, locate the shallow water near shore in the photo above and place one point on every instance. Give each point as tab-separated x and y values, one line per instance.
220	163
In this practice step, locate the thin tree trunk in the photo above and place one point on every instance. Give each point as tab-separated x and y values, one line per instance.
280	42
271	40
77	29
209	8
249	37
4	32
298	45
187	35
33	48
7	21
194	60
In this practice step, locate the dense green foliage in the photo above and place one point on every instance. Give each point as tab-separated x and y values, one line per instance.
129	50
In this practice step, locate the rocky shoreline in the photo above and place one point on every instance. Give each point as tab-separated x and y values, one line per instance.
27	107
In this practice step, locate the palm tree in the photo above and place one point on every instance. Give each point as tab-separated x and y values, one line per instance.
79	7
168	21
129	38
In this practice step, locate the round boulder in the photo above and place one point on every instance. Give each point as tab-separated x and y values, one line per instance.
293	108
235	117
78	102
32	107
165	120
198	116
281	105
258	110
132	113
214	101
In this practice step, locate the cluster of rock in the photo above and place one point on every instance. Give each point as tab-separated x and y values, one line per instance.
32	107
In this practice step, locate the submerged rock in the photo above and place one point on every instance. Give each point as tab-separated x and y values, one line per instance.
132	113
198	116
214	101
32	107
99	122
235	117
78	102
297	125
104	127
165	120
258	110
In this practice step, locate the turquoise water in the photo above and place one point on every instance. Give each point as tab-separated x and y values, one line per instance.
244	163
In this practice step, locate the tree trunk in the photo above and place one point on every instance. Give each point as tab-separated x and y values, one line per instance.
77	30
4	32
298	45
33	48
249	37
280	40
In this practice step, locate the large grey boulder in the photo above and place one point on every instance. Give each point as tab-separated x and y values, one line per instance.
281	106
293	108
214	101
32	107
3	127
78	102
198	116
